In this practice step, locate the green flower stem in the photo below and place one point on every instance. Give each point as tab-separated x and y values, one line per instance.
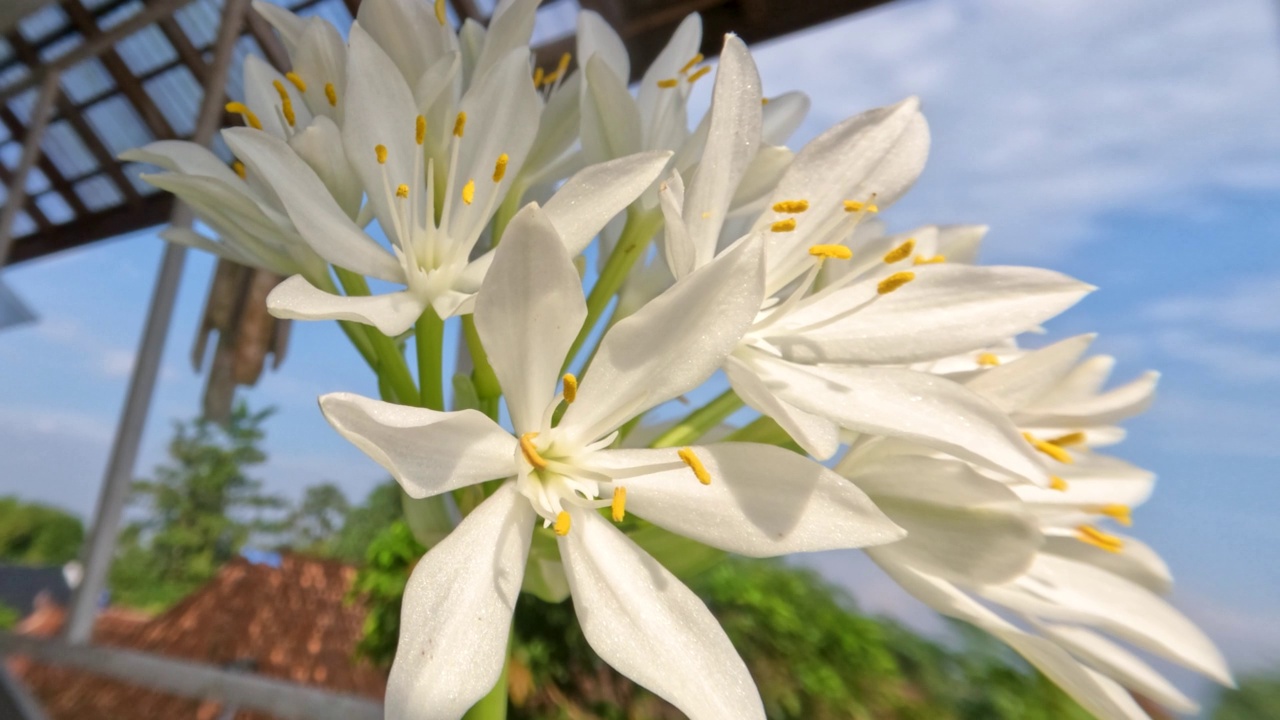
636	234
697	423
390	365
485	380
428	339
508	209
766	430
494	705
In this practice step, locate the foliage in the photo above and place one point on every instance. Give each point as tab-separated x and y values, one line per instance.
365	522
35	534
380	585
9	617
198	511
313	526
1256	698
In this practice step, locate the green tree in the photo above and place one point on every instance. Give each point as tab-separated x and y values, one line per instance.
35	534
1256	698
197	511
382	507
314	525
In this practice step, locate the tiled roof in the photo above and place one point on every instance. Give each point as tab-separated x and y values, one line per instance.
288	623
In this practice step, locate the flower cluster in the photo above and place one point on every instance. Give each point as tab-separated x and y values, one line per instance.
964	464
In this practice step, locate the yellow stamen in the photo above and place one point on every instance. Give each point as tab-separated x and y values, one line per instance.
696	76
699	470
668	83
243	110
988	360
381	152
1119	513
1093	536
902	252
1058	483
420	130
1049	449
764	101
460	124
922	260
297	81
570	387
286	103
402	191
530	452
563	65
562	524
619	504
469	192
689	65
538	74
784	225
550	78
1075	438
838	252
855	206
895	281
791	206
500	168
440	16
331	94
239	168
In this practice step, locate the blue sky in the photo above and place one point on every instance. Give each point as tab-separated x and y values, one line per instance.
1134	145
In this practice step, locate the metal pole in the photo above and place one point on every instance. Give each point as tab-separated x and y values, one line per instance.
101	543
40	116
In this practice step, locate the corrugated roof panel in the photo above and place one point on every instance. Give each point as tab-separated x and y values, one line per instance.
177	93
86	79
95	4
23	224
98	193
43	23
9	154
67	151
6	50
117	124
335	11
37	182
23	103
200	21
61	46
555	20
119	14
55	208
13	74
146	50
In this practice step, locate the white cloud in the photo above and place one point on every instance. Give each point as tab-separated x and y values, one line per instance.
1248	306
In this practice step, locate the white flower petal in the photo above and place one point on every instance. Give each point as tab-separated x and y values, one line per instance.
961	526
193	239
763	501
1120	665
818	436
456	616
289	26
509	29
680	251
428	452
732	141
321	60
597	37
187	158
782	115
1136	561
392	313
960	243
320	145
651	628
260	95
1115	405
671	345
610	121
592	197
319	219
679	50
760	178
1016	384
557	132
945	310
408	32
528	311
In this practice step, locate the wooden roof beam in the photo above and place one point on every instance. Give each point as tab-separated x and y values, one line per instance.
51	171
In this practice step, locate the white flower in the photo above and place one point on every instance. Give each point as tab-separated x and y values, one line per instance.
750	499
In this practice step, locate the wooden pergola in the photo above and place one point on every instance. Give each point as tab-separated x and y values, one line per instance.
83	80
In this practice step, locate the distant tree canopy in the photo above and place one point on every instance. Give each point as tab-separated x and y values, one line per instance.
1257	698
35	534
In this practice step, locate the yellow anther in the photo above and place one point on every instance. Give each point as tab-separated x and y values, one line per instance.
500	168
550	78
894	281
239	168
420	130
838	252
381	152
784	225
563	521
469	192
297	81
791	206
1097	538
668	83
1058	483
570	387
538	74
1119	513
902	252
988	360
1049	449
460	124
402	191
243	110
699	470
619	504
855	206
698	75
440	16
331	94
563	65
286	103
1075	438
530	452
692	61
922	260
764	101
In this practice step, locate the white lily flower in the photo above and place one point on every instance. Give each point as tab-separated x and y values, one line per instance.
745	498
